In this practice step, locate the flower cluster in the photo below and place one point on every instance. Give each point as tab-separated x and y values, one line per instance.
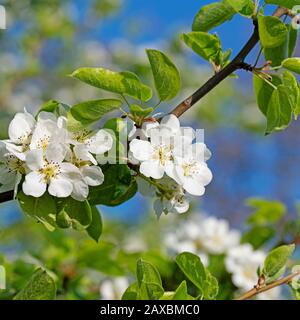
167	153
42	154
208	236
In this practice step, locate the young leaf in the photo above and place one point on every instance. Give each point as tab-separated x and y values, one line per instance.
292	64
40	286
284	3
131	292
272	31
205	45
126	83
149	281
181	292
91	111
94	230
77	214
278	54
43	209
279	113
244	7
212	15
193	268
277	259
263	92
165	73
293	36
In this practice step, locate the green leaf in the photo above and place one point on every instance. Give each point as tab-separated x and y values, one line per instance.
278	54
292	64
279	113
284	3
131	292
41	286
43	209
272	31
181	292
149	281
193	268
244	7
205	45
277	259
166	76
266	212
91	111
293	36
49	106
263	92
126	83
210	286
77	214
119	186
139	112
212	15
94	230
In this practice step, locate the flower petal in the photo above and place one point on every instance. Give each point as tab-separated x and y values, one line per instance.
56	152
93	175
60	187
21	126
82	154
35	159
80	190
170	121
141	150
194	187
34	185
152	169
100	142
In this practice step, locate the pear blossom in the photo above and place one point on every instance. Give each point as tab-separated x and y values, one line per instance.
156	156
50	170
11	170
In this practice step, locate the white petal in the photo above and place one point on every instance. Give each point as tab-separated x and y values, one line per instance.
60	187
46	116
82	154
16	151
42	132
152	169
70	171
100	143
141	150
193	186
147	126
21	125
93	176
80	190
56	152
34	159
34	185
170	121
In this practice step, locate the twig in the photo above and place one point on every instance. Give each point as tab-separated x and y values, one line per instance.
236	64
256	290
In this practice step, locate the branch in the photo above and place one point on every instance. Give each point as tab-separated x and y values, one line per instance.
256	290
236	64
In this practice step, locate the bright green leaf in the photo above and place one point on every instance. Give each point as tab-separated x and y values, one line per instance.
277	259
272	31
126	83
284	3
212	15
90	111
166	76
292	64
204	44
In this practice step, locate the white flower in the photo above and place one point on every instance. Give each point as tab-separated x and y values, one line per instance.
20	132
47	131
11	170
50	170
273	294
243	262
113	289
95	142
215	236
191	171
177	204
156	155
